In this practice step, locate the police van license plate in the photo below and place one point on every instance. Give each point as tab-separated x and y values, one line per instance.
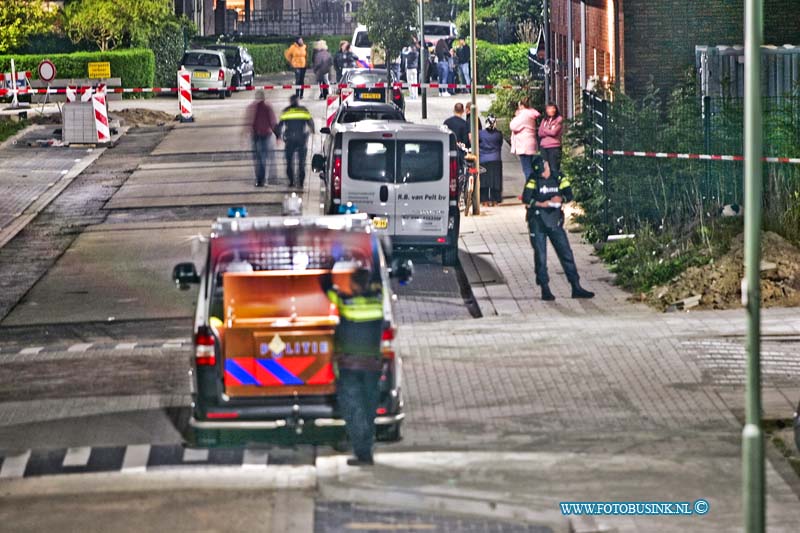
380	223
201	75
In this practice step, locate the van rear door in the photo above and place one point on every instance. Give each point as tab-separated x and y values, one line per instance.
422	186
368	170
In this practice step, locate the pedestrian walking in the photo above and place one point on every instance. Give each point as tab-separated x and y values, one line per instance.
550	130
490	142
523	135
343	59
357	353
543	196
442	52
262	127
411	57
296	56
463	56
322	63
294	128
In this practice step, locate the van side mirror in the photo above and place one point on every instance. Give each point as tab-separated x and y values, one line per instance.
325	131
318	163
402	270
185	274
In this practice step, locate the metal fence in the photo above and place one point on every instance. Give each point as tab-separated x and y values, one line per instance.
662	190
298	22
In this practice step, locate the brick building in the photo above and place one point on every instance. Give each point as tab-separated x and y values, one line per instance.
628	42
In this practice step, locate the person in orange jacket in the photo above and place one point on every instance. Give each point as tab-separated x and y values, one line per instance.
296	55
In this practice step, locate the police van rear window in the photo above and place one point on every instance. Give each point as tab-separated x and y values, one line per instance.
419	161
370	160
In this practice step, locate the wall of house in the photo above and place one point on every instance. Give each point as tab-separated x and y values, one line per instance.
657	37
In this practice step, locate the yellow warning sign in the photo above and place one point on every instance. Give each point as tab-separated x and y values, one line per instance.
99	70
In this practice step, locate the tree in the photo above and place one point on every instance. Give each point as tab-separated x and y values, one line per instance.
20	19
109	23
389	23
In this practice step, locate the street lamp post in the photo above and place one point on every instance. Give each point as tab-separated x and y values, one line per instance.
473	69
423	59
752	436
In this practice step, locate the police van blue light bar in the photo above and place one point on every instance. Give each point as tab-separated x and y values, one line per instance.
348	209
237	212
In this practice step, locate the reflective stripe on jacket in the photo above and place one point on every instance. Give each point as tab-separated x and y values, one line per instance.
360	324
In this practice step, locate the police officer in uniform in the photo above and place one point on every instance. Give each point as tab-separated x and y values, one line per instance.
357	349
294	128
543	197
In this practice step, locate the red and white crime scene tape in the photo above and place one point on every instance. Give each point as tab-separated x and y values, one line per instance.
701	157
240	88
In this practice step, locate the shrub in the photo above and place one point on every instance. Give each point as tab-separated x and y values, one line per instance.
498	62
167	46
135	67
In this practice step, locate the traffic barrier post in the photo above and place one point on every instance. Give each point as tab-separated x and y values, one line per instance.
331	109
185	95
101	115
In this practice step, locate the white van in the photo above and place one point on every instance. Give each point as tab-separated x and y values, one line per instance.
403	175
436	30
361	46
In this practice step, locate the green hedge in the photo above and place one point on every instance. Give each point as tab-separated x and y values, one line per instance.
136	67
497	62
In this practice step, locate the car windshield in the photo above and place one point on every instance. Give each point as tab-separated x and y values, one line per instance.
372	76
437	30
371	160
362	40
200	59
419	161
357	115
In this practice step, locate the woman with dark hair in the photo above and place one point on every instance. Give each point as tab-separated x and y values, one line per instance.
550	130
491	144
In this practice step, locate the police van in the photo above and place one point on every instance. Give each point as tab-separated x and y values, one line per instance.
403	175
263	367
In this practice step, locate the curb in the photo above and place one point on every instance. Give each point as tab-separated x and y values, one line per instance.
24	131
328	469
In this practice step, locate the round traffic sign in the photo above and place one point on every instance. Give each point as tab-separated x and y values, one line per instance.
47	71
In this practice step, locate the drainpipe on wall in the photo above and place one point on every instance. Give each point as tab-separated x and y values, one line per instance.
570	64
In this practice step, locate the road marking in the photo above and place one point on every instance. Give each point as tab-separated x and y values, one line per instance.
80	347
33	350
136	456
125	346
171	345
77	456
255	459
14	465
192	455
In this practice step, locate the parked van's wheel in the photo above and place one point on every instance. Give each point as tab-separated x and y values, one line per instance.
450	255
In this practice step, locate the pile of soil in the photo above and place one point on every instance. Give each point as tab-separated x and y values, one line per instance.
137	117
718	284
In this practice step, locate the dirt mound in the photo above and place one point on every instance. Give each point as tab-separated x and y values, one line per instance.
718	284
137	117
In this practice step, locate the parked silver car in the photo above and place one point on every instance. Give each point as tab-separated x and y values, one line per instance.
209	70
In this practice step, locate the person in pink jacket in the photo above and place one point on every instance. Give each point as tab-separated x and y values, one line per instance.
550	130
523	135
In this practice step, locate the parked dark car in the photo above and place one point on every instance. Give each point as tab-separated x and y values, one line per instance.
357	111
240	61
363	76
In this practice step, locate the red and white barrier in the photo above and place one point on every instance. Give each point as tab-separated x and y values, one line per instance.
72	94
101	115
185	95
158	90
700	157
331	109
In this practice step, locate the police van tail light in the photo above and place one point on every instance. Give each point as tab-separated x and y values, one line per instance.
453	178
386	345
336	179
221	75
205	353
